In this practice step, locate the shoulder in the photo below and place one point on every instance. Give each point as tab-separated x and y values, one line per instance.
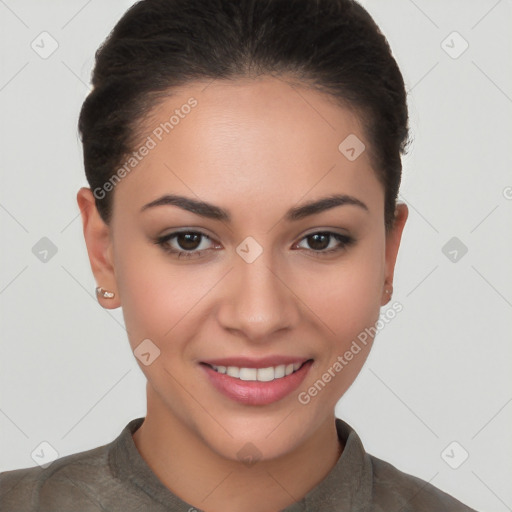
69	483
393	488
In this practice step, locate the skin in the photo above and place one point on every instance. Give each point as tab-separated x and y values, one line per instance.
256	148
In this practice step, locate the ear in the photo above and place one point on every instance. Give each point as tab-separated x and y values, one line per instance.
392	244
99	247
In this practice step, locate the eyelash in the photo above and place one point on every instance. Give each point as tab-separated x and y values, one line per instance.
163	241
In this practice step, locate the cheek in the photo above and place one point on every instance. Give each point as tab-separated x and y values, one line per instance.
160	297
347	300
347	296
152	292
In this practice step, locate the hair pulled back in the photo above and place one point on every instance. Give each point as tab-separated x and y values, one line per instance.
332	45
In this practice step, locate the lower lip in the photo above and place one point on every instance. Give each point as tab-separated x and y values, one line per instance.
252	392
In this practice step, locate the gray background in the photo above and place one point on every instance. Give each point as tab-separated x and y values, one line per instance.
438	372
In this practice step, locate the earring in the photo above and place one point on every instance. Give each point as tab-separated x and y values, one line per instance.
389	291
104	293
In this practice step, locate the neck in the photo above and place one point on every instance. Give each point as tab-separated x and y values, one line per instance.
201	477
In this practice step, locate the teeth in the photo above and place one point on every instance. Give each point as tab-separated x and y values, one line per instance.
263	374
232	371
260	374
246	373
279	371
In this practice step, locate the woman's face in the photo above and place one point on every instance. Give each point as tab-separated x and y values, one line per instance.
259	284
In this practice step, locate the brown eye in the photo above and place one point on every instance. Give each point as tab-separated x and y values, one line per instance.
184	244
188	241
320	243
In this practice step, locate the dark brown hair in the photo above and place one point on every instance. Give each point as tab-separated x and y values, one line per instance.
332	45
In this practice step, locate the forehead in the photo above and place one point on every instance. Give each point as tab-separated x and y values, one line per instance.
261	139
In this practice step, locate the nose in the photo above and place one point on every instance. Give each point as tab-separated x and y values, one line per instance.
258	301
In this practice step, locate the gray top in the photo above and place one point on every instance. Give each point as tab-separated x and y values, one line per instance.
114	477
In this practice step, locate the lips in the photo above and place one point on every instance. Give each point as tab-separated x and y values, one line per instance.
255	392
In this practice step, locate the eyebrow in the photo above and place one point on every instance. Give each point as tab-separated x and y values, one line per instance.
211	211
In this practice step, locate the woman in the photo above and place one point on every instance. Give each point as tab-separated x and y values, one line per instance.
244	160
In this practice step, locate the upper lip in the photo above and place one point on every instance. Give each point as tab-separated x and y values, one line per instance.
251	362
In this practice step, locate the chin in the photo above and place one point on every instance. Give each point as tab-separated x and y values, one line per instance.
263	438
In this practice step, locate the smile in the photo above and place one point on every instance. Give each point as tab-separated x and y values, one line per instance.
259	374
250	385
